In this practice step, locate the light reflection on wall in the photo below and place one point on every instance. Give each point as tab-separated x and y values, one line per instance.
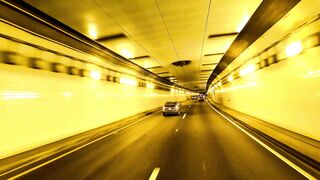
248	85
312	74
293	49
67	94
20	95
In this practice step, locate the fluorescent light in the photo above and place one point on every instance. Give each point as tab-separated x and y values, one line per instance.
293	49
128	81
92	30
172	90
126	53
96	75
247	70
150	85
230	78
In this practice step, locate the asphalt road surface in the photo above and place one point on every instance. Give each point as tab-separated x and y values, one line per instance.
202	145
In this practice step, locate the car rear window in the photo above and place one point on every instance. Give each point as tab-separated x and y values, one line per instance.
170	104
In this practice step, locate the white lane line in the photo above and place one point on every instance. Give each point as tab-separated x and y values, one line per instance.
73	150
184	115
154	174
284	159
204	166
177	130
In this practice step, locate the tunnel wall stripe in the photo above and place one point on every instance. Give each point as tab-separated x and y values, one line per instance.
281	85
47	94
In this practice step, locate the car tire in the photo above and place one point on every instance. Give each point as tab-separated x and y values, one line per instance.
164	114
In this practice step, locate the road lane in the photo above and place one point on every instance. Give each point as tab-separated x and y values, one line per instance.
203	145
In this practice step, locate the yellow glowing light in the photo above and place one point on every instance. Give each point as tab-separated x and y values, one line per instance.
126	53
128	81
150	85
147	65
230	78
92	30
248	85
243	23
249	69
293	49
172	90
219	83
96	75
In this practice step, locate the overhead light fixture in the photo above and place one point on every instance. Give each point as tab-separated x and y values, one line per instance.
230	78
293	49
96	75
126	53
172	90
92	30
128	81
150	85
247	70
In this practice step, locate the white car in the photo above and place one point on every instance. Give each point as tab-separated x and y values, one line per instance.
171	108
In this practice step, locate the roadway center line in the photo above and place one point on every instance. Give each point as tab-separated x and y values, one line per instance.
184	115
73	150
154	174
284	159
204	166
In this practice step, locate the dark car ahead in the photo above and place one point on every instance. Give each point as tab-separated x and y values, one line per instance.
171	108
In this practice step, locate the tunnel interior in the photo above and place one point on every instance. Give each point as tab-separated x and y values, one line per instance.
75	74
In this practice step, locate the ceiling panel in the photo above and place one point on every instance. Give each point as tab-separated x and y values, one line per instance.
160	29
218	44
229	16
211	59
208	66
158	70
84	17
124	46
143	22
146	62
164	74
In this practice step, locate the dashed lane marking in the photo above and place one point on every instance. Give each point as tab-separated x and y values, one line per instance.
184	115
204	166
73	150
154	174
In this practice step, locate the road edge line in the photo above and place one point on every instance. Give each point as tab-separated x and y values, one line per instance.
274	152
154	173
80	147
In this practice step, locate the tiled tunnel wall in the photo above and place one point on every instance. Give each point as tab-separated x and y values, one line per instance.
277	83
48	92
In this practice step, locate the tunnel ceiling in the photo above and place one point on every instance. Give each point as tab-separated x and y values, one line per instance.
156	33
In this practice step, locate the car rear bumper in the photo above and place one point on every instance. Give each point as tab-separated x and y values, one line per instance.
171	112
